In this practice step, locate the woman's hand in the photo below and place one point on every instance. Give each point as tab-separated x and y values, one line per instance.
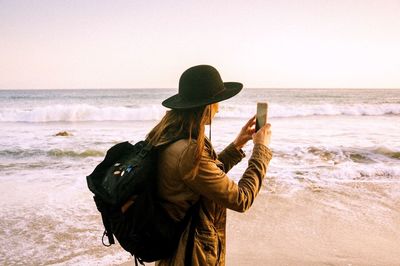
263	135
245	134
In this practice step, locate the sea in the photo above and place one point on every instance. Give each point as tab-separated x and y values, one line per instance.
345	142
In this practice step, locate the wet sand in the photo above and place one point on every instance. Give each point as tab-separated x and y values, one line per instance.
290	234
351	224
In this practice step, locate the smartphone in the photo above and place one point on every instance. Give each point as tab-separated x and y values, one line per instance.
261	117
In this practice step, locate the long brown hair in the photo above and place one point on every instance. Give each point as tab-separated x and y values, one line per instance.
187	123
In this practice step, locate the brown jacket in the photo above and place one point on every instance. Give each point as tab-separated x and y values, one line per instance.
215	190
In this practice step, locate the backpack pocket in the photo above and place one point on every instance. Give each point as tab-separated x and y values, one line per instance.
146	230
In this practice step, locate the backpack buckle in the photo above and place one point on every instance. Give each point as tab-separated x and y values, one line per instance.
145	150
110	239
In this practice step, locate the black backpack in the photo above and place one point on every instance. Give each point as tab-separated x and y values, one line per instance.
129	172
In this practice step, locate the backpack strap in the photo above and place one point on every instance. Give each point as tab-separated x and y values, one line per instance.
106	222
107	231
145	150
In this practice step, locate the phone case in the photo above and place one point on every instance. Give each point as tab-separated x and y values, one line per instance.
261	117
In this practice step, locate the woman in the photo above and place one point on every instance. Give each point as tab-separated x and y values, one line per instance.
190	173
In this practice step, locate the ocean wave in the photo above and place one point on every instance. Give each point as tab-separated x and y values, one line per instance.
317	155
81	112
309	155
387	152
85	112
343	173
280	110
71	153
29	153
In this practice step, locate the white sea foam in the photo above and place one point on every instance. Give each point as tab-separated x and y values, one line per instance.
376	173
86	112
81	112
280	110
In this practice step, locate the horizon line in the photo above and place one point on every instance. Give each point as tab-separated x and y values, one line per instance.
170	88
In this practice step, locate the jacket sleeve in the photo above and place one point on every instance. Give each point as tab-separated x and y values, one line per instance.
211	182
230	156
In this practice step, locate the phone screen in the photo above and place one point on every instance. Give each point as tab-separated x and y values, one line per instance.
261	117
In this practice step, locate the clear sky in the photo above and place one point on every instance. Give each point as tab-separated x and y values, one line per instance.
148	44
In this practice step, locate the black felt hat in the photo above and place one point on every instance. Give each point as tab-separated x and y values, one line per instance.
201	85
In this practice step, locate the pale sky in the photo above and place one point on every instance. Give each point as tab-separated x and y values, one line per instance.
148	44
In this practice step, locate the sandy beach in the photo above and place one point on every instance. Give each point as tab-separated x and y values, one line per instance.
304	228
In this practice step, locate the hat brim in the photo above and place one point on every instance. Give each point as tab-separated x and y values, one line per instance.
176	101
